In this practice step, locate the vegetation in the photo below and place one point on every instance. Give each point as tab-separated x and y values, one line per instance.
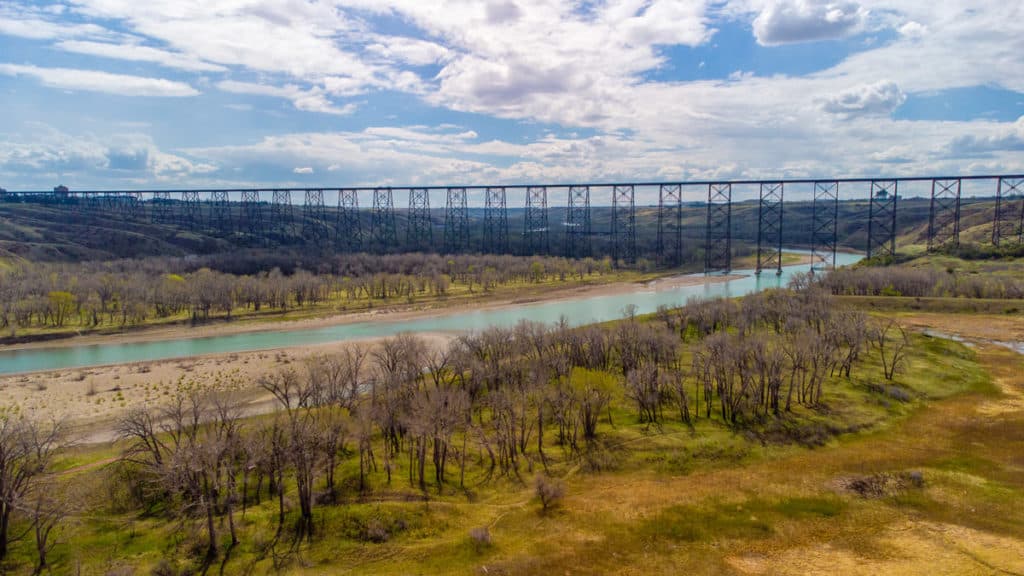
66	298
369	453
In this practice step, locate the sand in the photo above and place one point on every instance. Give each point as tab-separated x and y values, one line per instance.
90	400
397	313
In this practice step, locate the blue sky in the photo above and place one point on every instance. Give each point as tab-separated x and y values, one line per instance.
172	93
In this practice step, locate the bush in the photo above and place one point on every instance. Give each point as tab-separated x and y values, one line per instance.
481	538
549	490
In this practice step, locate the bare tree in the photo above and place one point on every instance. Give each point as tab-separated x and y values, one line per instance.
27	448
891	341
47	508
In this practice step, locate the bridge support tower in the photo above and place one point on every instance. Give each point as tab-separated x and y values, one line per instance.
624	224
824	226
718	229
456	221
882	218
495	221
1008	223
769	227
944	214
535	221
577	223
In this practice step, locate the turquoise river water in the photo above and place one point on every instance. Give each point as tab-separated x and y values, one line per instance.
583	310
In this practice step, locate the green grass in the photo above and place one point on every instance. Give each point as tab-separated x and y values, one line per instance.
666	496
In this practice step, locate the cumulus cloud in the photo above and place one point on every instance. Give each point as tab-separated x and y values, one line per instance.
1005	139
43	153
408	50
303	170
96	81
308	100
913	29
791	21
880	98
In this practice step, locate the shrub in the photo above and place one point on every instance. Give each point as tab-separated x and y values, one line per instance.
481	537
549	490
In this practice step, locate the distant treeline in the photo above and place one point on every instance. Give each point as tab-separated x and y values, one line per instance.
920	282
130	292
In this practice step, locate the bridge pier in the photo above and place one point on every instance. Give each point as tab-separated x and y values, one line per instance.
624	224
495	221
769	227
456	221
535	221
348	231
882	218
1008	223
192	214
577	222
220	211
281	214
824	226
161	208
251	217
383	229
944	214
718	229
314	217
419	234
670	225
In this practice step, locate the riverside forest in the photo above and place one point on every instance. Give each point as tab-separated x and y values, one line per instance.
770	432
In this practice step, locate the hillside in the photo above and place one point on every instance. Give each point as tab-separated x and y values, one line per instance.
38	232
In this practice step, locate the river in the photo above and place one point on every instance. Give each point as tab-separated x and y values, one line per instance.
584	310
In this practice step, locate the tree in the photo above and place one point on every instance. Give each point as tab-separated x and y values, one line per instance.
891	341
47	507
27	448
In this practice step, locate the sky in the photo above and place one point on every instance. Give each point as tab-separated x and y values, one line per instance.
122	94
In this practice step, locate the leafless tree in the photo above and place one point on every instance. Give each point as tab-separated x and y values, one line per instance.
27	448
891	341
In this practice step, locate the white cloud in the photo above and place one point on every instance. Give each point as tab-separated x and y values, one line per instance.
879	98
582	67
307	100
1004	139
913	29
43	153
96	81
28	21
790	21
300	40
137	53
303	170
408	50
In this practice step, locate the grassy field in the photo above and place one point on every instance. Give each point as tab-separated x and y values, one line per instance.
921	476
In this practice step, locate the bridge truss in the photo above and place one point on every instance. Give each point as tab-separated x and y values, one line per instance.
609	227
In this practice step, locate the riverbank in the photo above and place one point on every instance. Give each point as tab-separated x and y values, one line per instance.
389	313
91	399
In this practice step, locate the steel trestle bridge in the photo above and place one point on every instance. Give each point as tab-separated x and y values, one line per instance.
269	212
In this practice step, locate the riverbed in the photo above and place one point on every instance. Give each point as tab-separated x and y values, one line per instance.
577	311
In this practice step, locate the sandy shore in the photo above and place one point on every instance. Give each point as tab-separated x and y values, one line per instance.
398	313
90	400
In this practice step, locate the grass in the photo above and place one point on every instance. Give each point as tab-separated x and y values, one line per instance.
671	499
